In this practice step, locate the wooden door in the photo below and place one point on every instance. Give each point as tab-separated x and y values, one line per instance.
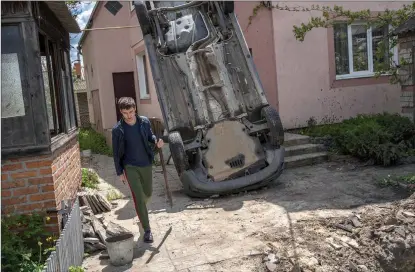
123	87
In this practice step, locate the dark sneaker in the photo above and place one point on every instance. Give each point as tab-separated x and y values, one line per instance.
148	237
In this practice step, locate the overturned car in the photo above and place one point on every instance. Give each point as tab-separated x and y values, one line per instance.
223	135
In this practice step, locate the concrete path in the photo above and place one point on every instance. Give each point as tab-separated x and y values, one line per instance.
231	233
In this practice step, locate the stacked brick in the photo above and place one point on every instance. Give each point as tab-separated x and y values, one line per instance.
40	183
406	72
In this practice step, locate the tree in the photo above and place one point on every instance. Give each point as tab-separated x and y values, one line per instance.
75	7
384	61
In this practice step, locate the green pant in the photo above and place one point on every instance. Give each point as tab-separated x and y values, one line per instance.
140	180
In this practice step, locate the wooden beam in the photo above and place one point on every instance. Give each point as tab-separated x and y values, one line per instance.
110	27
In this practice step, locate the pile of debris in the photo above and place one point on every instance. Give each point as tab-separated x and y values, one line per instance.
96	230
389	236
96	202
377	239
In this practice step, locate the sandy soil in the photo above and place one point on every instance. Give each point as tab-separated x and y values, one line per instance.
295	225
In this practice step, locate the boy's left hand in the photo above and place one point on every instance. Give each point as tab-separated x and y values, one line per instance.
160	143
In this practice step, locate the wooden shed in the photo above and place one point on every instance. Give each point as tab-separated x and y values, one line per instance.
39	146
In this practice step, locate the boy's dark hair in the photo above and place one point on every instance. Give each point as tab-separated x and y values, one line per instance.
126	103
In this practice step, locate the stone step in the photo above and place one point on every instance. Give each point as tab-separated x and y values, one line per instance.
296	150
305	159
295	139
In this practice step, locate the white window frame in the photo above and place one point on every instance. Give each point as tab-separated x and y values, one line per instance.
144	92
369	72
132	7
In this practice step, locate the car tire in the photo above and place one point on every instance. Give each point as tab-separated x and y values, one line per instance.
143	18
276	133
178	153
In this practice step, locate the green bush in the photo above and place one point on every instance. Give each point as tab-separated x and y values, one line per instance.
90	139
407	180
89	179
384	138
76	269
25	245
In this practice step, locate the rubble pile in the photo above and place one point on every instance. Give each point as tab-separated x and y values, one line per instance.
96	202
378	239
390	236
96	230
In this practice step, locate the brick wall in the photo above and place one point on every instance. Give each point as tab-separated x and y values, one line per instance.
39	183
406	73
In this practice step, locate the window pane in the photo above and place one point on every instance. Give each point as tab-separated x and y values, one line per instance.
12	102
141	74
47	86
54	80
65	96
71	104
359	43
47	91
145	74
380	47
113	7
341	49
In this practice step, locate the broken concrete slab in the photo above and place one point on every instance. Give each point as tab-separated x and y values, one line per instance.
350	242
114	229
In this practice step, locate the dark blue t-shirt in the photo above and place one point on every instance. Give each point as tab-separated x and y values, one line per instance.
135	152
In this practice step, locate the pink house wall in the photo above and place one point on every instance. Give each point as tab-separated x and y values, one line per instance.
90	62
305	73
298	76
109	53
259	38
149	107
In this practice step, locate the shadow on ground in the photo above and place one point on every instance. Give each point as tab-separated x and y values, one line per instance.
139	251
326	186
321	188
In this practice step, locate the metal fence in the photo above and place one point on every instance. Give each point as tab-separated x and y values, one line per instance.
70	245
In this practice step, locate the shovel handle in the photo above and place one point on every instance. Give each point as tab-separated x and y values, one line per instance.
163	166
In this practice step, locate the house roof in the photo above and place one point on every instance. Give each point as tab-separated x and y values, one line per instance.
63	14
89	23
406	27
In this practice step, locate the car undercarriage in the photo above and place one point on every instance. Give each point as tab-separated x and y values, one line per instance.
223	135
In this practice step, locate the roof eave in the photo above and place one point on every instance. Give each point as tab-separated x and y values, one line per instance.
64	16
88	24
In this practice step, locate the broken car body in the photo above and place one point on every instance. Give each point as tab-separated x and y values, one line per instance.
223	135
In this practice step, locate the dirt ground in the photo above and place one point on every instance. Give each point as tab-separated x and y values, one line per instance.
328	217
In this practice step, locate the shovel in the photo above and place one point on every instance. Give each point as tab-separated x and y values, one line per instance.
157	127
163	166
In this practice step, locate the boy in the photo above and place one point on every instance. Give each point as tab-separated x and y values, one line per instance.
133	157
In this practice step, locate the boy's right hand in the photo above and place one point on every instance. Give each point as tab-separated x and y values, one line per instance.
122	178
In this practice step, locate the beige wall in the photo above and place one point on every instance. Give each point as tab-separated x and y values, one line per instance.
115	57
108	52
90	60
298	76
306	85
149	107
259	37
